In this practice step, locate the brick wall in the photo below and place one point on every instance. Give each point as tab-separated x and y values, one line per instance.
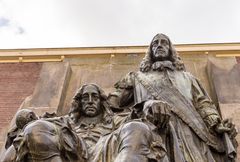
17	81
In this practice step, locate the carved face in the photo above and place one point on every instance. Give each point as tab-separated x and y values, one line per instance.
91	103
160	48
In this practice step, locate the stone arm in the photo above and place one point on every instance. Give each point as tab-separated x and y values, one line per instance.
204	105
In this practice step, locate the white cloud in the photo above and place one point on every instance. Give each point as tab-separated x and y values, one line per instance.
64	23
3	22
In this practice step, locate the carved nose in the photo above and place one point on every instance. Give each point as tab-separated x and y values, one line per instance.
159	46
90	99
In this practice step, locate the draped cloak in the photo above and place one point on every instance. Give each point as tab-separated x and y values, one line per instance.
43	139
191	139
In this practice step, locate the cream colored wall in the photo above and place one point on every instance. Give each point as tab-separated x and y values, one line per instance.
106	65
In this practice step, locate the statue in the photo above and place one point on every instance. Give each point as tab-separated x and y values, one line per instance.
23	117
91	115
171	119
113	137
195	131
47	140
43	139
91	132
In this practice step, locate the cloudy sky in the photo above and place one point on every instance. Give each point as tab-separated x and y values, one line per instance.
81	23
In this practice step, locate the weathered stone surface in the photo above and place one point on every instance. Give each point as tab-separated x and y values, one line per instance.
51	87
58	81
49	92
232	111
106	70
103	70
238	59
196	65
225	80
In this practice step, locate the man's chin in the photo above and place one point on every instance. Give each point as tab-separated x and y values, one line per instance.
160	58
161	54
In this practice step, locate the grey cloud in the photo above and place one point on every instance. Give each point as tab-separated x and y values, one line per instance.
20	30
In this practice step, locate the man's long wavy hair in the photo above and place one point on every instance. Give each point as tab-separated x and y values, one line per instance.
174	57
75	111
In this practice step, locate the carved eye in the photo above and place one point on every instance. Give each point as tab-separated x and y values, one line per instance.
164	42
85	97
95	96
155	43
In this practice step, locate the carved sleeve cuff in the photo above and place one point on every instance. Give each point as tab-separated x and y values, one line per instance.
210	115
212	120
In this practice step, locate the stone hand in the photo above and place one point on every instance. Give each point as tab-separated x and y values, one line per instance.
228	127
157	112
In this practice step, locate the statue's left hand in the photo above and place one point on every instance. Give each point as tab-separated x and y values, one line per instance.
228	127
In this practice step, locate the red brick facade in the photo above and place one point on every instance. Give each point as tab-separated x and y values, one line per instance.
17	81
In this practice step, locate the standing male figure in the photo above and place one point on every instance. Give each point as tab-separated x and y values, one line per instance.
196	129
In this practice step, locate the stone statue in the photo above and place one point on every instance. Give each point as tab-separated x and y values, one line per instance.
23	117
91	132
171	119
43	140
113	137
195	132
91	115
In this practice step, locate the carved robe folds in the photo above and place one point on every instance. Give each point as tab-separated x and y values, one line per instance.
193	115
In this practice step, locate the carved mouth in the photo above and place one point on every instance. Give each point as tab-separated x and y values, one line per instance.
90	109
160	53
160	50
